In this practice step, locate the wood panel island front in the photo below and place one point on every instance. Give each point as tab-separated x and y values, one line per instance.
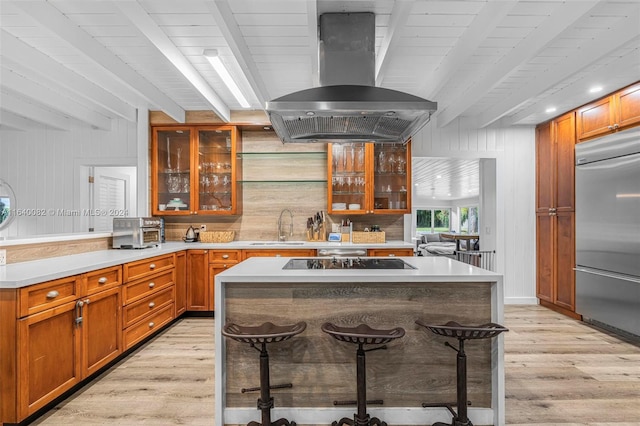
414	369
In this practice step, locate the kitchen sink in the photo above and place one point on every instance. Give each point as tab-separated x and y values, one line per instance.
278	243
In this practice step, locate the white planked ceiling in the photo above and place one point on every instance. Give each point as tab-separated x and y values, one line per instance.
488	62
445	178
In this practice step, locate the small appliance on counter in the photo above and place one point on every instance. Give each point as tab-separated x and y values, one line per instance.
190	236
136	232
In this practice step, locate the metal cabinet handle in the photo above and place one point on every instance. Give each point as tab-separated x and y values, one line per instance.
278	255
152	266
225	256
152	324
152	285
152	304
102	280
610	127
392	255
616	125
53	294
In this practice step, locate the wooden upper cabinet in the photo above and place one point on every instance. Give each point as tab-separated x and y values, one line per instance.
611	114
555	142
369	178
565	140
629	107
545	168
196	170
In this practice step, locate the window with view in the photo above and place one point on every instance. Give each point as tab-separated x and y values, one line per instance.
469	220
433	221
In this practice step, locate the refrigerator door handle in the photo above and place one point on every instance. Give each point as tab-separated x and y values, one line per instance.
604	274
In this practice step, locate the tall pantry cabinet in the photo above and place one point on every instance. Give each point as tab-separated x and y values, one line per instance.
555	213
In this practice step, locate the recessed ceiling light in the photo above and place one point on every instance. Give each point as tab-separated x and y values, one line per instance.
449	195
433	198
439	177
415	184
550	110
595	89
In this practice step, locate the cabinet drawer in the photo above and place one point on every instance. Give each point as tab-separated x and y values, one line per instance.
138	289
103	279
37	298
224	256
150	304
279	253
142	268
147	326
390	252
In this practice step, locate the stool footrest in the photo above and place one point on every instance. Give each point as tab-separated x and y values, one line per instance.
282	386
353	402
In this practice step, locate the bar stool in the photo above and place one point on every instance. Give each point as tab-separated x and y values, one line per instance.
361	335
462	333
261	335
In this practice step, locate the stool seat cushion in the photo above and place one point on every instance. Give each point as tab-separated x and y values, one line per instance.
264	333
362	333
453	329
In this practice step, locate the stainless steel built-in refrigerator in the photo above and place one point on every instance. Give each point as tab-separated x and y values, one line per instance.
608	231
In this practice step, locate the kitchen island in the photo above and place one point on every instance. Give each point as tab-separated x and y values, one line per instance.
417	368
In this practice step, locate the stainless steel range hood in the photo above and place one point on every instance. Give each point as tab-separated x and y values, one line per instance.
347	106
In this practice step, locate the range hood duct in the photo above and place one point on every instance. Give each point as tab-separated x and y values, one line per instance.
347	106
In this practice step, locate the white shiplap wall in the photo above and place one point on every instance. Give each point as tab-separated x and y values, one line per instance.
514	151
42	166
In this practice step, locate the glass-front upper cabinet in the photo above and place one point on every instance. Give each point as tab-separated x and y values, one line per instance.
195	170
369	178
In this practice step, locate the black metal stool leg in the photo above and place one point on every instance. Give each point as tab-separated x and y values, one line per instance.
461	380
265	403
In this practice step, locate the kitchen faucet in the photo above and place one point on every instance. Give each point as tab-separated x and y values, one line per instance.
281	236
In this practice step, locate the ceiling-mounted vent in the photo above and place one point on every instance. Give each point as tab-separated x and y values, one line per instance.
347	107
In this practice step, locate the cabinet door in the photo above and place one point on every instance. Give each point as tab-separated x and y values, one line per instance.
181	283
171	178
217	171
391	178
369	178
101	330
198	280
565	260
545	256
565	137
348	178
49	357
215	269
545	168
596	119
390	252
629	107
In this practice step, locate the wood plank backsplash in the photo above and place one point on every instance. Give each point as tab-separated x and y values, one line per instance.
275	180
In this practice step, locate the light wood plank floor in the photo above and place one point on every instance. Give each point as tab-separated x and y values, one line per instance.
558	372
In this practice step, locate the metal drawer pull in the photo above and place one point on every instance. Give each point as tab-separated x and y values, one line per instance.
152	324
152	285
53	294
151	304
391	255
225	256
152	266
102	280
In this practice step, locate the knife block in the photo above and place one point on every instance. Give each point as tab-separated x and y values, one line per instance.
319	235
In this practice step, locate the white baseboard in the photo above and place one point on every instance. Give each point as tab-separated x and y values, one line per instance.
520	300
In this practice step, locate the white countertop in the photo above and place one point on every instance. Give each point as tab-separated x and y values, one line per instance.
428	269
22	274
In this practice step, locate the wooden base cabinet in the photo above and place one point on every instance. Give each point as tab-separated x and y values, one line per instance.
181	283
198	291
101	330
49	360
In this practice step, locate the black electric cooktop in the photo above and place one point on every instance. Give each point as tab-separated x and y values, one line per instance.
347	263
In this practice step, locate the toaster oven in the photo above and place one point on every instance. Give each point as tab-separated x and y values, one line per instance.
136	232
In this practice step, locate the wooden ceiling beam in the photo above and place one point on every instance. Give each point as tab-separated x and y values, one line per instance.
33	112
398	19
57	23
52	99
226	21
484	23
563	17
614	38
44	69
15	122
139	18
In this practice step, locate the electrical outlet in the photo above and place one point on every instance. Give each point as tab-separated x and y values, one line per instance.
3	257
203	227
